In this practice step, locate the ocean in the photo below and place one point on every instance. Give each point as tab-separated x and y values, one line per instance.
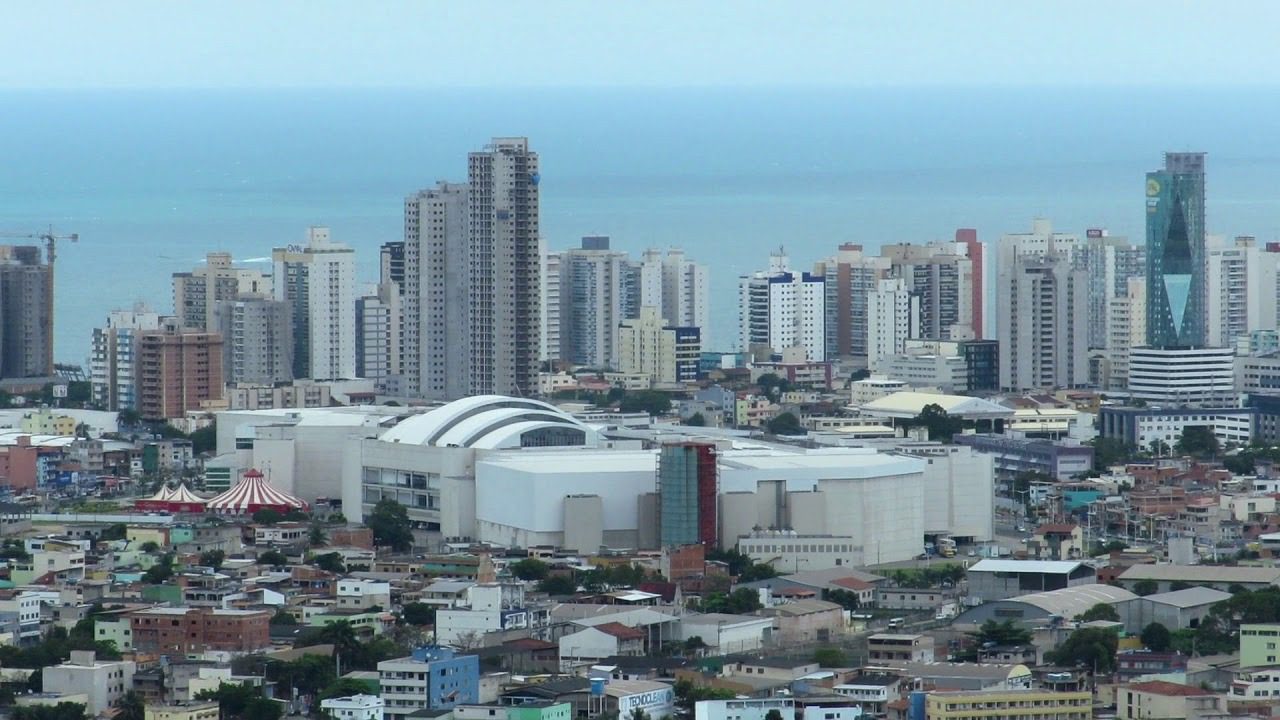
152	180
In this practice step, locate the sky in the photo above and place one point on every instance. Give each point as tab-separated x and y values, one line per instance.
433	43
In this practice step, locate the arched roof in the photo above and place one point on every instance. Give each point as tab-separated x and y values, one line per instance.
481	421
1071	601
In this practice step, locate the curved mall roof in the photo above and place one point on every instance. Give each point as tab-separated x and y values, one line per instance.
482	422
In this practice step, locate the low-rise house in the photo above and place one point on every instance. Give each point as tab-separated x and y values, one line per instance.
892	647
1161	699
806	621
1057	541
600	641
182	711
871	691
1132	664
353	707
1012	705
105	682
431	678
724	633
902	598
358	594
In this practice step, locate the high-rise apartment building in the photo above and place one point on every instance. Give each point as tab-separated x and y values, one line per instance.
1043	314
1110	261
391	270
592	303
550	338
943	278
780	309
848	278
1240	289
505	264
257	339
113	366
378	341
178	370
317	280
893	316
685	291
1176	253
196	294
26	320
437	297
967	244
1126	329
668	354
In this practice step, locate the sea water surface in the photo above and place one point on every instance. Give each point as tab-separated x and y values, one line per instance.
154	179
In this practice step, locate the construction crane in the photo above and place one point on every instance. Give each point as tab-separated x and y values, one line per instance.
51	250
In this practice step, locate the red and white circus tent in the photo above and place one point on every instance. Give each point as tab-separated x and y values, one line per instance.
251	495
175	500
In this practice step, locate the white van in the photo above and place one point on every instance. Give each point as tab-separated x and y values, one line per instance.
896	623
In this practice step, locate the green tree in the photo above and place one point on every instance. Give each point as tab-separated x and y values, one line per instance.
1156	637
530	569
212	558
1109	451
844	598
1093	648
149	546
689	694
1198	440
330	562
204	440
652	402
307	674
773	386
296	515
696	420
283	618
1100	611
1145	588
773	714
417	613
829	657
785	424
267	516
160	572
739	602
114	532
390	524
61	711
941	426
344	687
1001	633
316	537
131	707
274	558
1179	585
558	585
128	418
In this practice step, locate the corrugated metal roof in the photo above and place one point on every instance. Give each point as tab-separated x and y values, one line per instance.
1058	567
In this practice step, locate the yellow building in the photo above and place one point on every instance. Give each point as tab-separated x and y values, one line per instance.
138	536
1008	705
44	422
189	711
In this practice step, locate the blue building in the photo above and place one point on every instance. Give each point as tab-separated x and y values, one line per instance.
431	678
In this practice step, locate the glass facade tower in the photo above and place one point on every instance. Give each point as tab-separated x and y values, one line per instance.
1176	253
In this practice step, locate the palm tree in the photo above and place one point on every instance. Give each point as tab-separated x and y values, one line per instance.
316	537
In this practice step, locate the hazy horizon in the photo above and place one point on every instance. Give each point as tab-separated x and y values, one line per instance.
572	43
